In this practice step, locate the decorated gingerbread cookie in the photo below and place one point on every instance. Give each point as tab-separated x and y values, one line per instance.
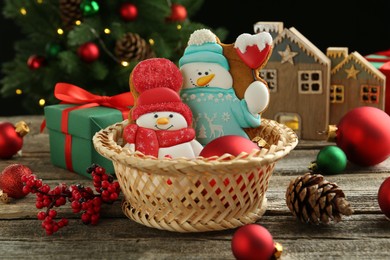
219	83
160	122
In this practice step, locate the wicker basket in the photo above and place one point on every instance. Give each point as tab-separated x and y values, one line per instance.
195	195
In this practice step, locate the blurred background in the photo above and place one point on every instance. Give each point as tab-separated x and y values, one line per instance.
363	27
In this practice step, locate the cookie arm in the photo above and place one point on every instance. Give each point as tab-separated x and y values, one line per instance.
243	116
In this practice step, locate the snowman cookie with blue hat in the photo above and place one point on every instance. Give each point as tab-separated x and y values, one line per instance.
223	100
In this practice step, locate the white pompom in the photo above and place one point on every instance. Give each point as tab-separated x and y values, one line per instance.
202	36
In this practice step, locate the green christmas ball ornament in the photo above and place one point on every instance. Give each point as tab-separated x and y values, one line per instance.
331	160
52	49
89	7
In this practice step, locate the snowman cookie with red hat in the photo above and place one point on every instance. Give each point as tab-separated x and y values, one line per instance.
161	121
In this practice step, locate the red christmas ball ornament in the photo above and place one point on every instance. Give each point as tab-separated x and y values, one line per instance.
128	12
11	180
364	135
36	61
254	242
384	197
231	144
11	138
178	13
88	52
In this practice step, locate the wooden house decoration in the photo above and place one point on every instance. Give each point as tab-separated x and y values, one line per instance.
381	61
354	82
298	76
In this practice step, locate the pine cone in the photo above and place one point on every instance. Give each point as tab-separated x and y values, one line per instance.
70	12
314	200
131	47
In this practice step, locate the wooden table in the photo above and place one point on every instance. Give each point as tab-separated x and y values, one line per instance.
364	235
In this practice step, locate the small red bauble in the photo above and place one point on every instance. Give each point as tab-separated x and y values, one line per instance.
363	134
11	138
128	12
11	180
36	61
231	144
252	242
384	197
178	13
88	52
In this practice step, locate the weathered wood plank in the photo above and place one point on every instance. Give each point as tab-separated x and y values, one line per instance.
358	237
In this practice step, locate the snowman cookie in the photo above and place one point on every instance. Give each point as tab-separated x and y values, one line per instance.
224	103
161	121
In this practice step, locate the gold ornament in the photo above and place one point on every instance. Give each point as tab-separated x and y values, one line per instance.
4	197
22	128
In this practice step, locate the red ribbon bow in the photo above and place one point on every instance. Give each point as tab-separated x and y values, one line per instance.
71	94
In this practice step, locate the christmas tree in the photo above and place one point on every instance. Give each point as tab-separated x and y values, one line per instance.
91	44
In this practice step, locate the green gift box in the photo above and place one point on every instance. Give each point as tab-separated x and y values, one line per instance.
71	129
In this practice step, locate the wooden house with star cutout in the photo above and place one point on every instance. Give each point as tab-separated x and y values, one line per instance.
298	76
354	82
311	90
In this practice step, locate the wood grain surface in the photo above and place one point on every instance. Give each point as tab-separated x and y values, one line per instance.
364	235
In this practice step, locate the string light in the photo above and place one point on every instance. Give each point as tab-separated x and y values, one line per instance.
23	11
19	91
39	1
42	102
60	31
178	27
151	41
124	63
78	22
107	31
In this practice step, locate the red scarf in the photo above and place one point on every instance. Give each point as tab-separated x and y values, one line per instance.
149	141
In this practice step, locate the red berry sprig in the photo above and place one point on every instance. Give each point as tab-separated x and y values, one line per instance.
83	199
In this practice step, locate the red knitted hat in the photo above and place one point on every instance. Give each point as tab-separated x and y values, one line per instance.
158	80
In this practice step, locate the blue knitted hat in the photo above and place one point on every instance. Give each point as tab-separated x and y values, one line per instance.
203	47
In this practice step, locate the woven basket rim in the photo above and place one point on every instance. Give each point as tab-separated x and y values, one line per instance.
105	145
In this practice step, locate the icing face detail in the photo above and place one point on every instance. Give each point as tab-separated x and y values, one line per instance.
205	74
165	120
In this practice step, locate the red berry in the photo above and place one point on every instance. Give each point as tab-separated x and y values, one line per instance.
95	219
39	204
105	184
52	213
90	211
38	183
100	170
26	189
97	201
76	204
30	183
55	227
105	194
41	215
85	217
96	209
97	178
45	188
113	196
46	202
64	221
112	189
